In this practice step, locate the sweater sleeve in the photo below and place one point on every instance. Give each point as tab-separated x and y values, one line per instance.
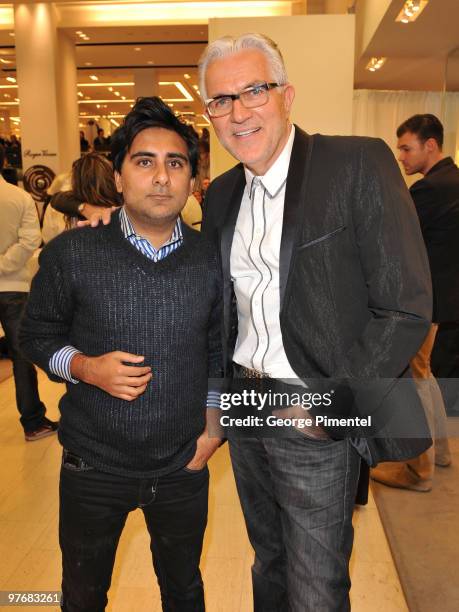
28	239
47	320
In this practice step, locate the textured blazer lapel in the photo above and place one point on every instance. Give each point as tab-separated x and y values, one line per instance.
295	196
226	240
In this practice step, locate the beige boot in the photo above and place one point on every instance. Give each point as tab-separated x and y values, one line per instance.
402	475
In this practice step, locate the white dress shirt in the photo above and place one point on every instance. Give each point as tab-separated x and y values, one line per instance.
255	269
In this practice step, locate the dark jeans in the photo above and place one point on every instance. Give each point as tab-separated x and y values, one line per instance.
93	510
31	409
297	495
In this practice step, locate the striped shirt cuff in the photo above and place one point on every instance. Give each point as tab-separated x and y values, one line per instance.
59	364
213	399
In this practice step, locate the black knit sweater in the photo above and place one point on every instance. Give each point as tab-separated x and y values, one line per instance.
97	292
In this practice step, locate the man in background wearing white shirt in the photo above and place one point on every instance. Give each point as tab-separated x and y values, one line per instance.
19	237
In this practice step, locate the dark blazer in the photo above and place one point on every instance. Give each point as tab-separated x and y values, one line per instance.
355	295
436	197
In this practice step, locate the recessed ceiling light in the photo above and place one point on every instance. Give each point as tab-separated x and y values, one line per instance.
4	61
117	93
93	77
11	79
150	62
79	32
87	98
195	87
11	33
187	76
6	96
80	94
110	89
88	63
411	10
137	48
123	97
375	63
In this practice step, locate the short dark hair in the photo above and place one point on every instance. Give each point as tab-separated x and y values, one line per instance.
424	126
147	113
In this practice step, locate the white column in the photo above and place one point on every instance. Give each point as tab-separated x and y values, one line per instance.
46	75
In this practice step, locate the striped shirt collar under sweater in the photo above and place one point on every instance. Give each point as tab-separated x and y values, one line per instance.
144	245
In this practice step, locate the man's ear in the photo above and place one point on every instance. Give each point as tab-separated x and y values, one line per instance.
431	145
118	182
289	96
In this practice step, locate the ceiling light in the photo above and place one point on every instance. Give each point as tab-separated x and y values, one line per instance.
137	48
186	95
97	105
375	63
150	62
411	10
6	96
11	79
187	76
11	33
88	63
80	94
110	89
93	77
4	61
87	98
195	87
117	93
127	84
123	97
79	32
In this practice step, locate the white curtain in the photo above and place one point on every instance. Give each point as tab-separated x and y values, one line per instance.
379	113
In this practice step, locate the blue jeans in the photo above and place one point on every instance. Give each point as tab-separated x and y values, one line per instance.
31	409
93	510
298	495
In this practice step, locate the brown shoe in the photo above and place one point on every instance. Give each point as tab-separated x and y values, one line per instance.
47	429
400	476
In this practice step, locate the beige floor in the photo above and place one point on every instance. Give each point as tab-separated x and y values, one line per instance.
29	551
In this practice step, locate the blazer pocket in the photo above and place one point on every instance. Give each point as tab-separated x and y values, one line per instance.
305	245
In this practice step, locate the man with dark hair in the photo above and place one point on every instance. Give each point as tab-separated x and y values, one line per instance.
20	236
128	314
436	197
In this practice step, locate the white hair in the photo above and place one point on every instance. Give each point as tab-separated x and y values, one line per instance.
228	45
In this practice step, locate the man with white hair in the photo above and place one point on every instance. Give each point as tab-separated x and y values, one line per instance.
322	251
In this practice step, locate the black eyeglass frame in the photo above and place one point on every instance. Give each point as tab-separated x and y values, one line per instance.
232	97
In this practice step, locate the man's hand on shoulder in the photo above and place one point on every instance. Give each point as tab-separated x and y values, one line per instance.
110	373
95	214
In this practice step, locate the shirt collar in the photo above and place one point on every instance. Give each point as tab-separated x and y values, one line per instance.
128	229
276	176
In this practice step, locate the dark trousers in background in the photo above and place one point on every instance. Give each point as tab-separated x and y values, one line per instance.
31	409
298	495
445	364
93	510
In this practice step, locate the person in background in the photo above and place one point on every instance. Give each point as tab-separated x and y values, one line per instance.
19	237
436	197
100	142
84	144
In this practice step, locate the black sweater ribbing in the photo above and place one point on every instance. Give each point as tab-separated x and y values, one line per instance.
97	292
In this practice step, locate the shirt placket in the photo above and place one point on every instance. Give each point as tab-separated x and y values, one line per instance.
256	254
